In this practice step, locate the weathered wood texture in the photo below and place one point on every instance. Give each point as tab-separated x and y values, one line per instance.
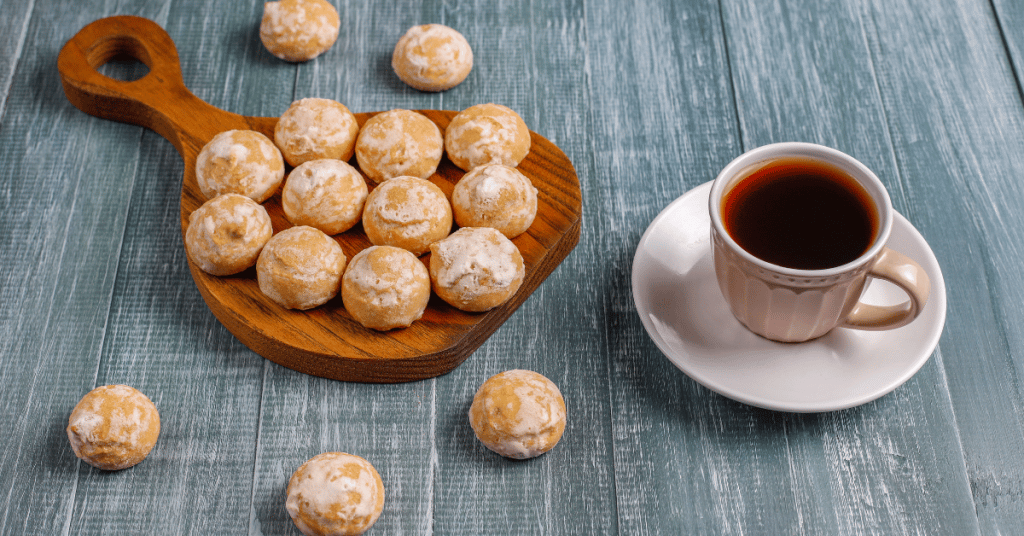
955	117
648	99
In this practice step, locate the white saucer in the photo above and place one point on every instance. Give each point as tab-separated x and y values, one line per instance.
678	299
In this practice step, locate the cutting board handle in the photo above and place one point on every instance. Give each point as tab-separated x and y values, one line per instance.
158	101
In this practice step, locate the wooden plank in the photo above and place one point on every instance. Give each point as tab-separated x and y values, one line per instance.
732	468
392	426
1010	23
14	21
803	71
162	338
955	117
61	237
532	58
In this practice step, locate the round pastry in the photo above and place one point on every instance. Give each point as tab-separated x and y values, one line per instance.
486	134
335	494
476	268
299	30
113	427
385	288
399	143
226	234
311	129
518	413
432	57
300	268
240	162
325	194
408	213
495	196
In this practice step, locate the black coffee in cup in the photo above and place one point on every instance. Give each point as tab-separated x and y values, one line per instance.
800	213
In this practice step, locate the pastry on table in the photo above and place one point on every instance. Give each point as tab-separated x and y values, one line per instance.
518	413
407	212
385	288
113	427
241	162
399	143
335	494
299	30
476	269
497	196
486	134
325	194
311	129
300	268
226	234
432	57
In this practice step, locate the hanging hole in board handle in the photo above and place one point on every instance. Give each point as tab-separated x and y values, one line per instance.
158	100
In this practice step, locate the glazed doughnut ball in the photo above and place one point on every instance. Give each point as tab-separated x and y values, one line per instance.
226	234
385	288
495	196
399	143
325	194
486	134
476	269
518	413
240	162
300	268
311	129
408	213
432	57
299	30
335	494
113	427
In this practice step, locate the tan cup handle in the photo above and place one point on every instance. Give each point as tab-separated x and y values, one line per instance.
900	270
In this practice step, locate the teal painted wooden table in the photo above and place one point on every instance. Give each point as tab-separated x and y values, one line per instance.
648	100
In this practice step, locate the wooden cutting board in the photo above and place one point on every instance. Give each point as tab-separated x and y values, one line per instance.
324	341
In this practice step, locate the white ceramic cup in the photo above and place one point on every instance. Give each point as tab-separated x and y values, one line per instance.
794	305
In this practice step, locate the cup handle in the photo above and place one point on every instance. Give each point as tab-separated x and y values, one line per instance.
900	270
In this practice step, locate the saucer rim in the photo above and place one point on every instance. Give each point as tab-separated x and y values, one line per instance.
925	349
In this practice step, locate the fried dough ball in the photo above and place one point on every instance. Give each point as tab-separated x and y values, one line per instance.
299	30
240	162
335	494
300	268
226	234
518	413
113	427
311	129
476	269
399	143
495	196
432	57
385	288
408	213
325	194
486	134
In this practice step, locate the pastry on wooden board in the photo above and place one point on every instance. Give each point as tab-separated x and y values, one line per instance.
407	212
385	288
399	143
497	196
300	268
475	269
486	134
226	234
326	194
240	162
